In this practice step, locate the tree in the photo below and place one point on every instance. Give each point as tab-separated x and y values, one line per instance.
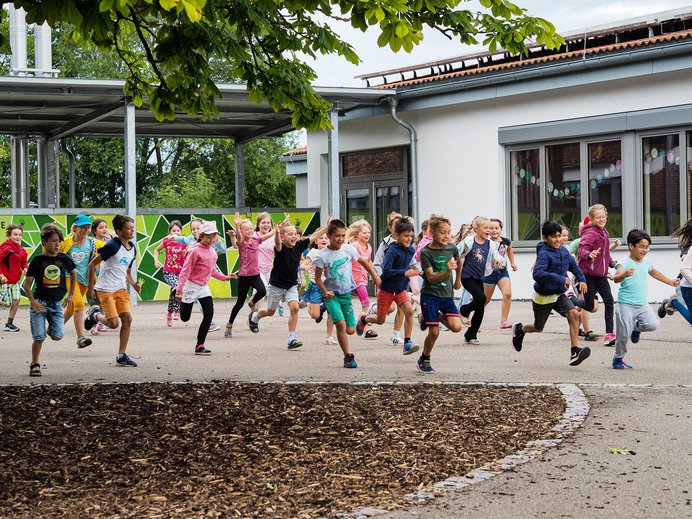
175	49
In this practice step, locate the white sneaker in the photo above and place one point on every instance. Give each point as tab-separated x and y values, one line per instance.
213	327
396	340
330	341
372	309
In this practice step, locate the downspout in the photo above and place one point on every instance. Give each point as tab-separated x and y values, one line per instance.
393	102
70	160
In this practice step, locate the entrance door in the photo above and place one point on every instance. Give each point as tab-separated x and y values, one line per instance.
373	201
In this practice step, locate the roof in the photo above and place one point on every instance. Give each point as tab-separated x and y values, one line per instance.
296	151
56	108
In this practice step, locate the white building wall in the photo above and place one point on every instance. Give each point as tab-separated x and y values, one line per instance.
461	164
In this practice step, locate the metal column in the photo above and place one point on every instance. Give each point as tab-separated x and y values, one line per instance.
130	168
333	162
20	173
239	158
41	170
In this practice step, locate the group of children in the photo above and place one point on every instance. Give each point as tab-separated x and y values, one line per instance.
335	262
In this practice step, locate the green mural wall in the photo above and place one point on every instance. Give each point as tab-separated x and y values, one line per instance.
151	230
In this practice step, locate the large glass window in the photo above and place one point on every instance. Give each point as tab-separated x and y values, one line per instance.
661	171
563	184
525	169
605	181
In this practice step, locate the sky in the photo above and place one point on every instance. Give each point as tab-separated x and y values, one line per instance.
566	15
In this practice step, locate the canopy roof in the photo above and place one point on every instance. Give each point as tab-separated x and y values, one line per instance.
56	108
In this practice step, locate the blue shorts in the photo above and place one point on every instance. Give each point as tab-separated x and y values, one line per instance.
431	305
495	277
313	295
55	317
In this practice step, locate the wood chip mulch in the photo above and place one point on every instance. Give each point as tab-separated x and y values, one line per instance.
250	450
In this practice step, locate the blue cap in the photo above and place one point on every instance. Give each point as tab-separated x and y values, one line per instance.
81	220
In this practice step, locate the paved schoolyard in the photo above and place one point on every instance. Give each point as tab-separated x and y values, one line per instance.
646	409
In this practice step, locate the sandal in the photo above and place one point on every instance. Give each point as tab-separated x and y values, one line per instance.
370	334
35	370
228	333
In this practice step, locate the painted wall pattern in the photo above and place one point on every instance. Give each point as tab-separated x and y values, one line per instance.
151	230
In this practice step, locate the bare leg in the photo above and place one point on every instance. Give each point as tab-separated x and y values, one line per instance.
125	326
573	319
488	290
407	309
36	351
433	334
13	309
505	286
293	318
342	337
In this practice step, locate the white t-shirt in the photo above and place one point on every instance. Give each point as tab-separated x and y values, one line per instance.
336	265
117	259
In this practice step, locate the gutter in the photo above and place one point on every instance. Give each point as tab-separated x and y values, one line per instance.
393	102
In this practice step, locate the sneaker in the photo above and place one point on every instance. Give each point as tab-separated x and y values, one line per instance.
396	340
122	359
323	309
330	341
666	307
176	316
505	325
228	332
90	319
94	331
302	304
409	348
609	339
372	309
579	355
424	365
474	342
100	327
213	327
254	327
294	343
201	350
591	336
620	364
360	325
83	342
636	335
581	332
281	311
517	336
169	319
10	327
466	321
350	361
370	334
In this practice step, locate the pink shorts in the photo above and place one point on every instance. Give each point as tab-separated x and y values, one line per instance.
384	301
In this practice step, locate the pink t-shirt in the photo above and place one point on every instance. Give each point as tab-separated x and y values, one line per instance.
249	256
423	242
174	256
360	275
199	267
266	256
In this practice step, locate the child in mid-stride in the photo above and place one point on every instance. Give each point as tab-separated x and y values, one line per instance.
172	266
13	264
438	260
396	273
283	280
553	262
634	315
335	262
116	258
49	273
358	235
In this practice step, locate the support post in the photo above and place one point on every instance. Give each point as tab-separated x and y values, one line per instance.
333	163
131	179
239	155
41	165
52	175
20	177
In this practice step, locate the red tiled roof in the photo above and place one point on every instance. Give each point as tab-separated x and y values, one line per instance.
297	151
680	35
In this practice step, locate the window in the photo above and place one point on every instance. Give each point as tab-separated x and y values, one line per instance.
527	192
605	181
689	175
563	189
661	175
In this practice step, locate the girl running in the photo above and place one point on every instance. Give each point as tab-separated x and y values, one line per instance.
13	264
500	277
313	296
172	267
668	306
358	235
193	284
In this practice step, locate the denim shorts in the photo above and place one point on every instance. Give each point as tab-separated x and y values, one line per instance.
495	277
53	314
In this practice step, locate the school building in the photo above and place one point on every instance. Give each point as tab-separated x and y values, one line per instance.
607	118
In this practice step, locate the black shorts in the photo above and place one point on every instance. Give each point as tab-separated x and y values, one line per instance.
541	312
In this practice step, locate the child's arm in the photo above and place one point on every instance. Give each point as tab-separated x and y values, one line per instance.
28	281
277	238
70	294
367	264
436	277
157	251
328	294
271	233
663	278
457	280
131	281
621	274
510	256
319	232
615	244
91	275
234	239
236	219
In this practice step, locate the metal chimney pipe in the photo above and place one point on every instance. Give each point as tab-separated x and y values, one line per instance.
43	51
18	41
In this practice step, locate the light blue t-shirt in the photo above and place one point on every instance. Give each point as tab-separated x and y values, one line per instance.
81	256
190	239
634	289
338	275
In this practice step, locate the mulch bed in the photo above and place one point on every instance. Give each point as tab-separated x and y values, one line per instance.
250	450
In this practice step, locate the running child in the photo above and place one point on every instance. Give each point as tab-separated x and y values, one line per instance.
634	315
116	258
193	284
313	295
173	264
48	271
283	279
668	306
500	276
263	226
480	256
99	230
334	261
248	243
553	263
595	261
13	264
396	273
358	235
81	248
438	260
